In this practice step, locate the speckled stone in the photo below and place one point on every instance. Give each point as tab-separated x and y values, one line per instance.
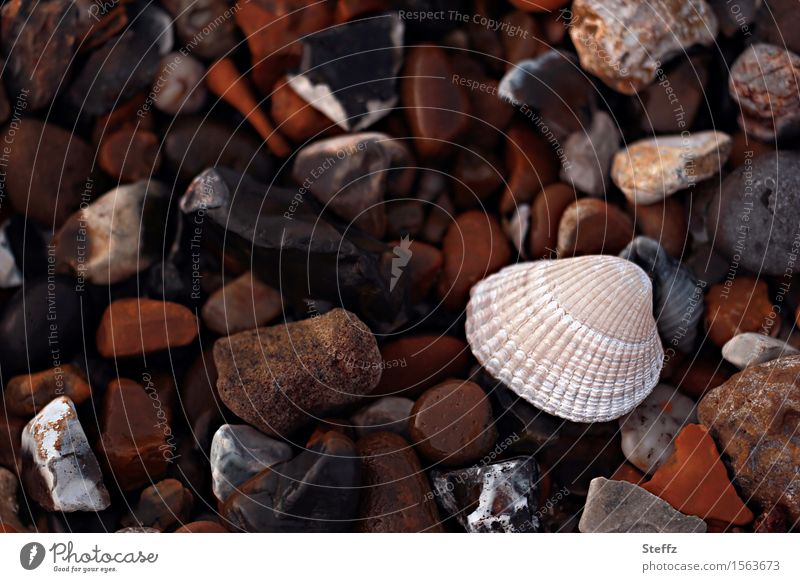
622	507
283	377
624	42
754	418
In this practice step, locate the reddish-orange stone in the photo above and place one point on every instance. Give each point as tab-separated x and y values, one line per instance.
665	222
738	306
629	473
474	248
590	227
548	206
27	393
413	364
694	481
132	327
538	5
202	527
533	166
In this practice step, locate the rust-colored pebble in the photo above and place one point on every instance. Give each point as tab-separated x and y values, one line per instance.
548	207
590	227
737	306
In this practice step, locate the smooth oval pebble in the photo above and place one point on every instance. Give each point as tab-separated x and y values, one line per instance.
664	222
750	349
652	169
590	227
25	395
452	423
397	496
738	306
244	303
548	207
181	85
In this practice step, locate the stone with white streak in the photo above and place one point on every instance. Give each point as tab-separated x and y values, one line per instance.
648	430
60	471
239	452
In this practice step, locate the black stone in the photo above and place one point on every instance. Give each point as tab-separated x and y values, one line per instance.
755	216
283	237
355	66
515	416
496	498
315	492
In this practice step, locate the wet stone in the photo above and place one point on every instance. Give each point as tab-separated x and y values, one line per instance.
397	496
348	72
316	492
116	236
452	423
162	506
554	85
496	498
652	169
750	349
413	364
474	248
181	89
590	226
41	315
435	107
134	435
754	419
61	472
281	378
244	303
26	394
648	431
239	452
738	306
53	166
763	81
388	414
589	153
352	175
9	504
624	42
621	507
754	215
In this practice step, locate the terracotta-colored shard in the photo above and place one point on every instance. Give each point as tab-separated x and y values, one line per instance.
694	480
225	81
132	327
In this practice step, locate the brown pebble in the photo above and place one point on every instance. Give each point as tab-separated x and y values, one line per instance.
590	227
134	435
10	439
436	108
26	394
413	364
452	423
202	527
132	327
129	155
548	206
532	166
162	506
694	376
664	222
244	303
737	306
396	496
745	148
347	10
423	268
476	176
474	248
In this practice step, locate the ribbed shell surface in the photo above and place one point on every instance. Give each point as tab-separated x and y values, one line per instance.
574	337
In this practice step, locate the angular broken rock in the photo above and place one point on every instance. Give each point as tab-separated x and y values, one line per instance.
60	470
353	174
589	154
753	417
622	507
652	169
750	349
349	71
239	452
624	42
117	235
501	497
283	377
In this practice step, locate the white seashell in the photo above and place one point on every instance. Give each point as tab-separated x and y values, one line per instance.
649	430
574	337
750	349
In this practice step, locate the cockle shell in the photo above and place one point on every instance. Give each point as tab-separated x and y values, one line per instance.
574	337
